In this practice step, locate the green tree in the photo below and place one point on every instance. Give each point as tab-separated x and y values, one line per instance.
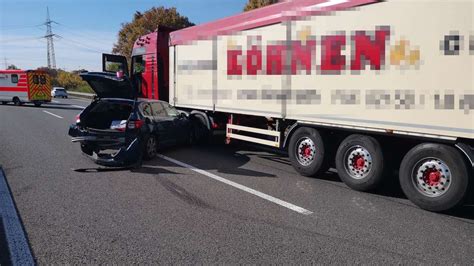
12	67
254	4
68	80
72	81
147	22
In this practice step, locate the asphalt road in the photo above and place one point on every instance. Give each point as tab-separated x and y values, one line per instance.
167	213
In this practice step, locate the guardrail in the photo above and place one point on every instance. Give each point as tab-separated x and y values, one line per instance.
81	94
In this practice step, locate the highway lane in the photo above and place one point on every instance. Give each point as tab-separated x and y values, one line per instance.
166	213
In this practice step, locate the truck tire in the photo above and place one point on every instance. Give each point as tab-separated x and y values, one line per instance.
359	162
150	148
3	102
306	152
37	104
435	177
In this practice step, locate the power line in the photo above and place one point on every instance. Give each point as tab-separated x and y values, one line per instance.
82	45
21	39
81	34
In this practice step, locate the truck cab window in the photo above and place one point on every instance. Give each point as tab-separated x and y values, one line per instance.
138	64
138	67
14	78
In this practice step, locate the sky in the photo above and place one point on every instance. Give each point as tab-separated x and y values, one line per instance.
86	28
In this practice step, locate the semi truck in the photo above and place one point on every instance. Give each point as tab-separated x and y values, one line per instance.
25	86
370	88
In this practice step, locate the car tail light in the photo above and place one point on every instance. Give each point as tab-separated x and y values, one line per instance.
78	118
135	124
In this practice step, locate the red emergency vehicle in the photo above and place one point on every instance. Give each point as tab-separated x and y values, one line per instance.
25	86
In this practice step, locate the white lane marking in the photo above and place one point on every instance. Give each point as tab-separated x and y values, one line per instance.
239	186
54	101
52	114
78	106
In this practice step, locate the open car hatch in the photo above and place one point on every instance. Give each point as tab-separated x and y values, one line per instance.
108	85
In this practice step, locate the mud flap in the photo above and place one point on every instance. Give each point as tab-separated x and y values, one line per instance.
131	155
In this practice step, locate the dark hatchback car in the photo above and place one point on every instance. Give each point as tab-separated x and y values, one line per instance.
118	129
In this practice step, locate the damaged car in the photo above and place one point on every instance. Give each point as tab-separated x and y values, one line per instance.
118	129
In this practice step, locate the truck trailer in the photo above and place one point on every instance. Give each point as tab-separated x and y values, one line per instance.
368	87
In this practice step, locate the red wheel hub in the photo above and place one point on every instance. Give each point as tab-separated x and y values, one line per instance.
432	177
358	162
306	151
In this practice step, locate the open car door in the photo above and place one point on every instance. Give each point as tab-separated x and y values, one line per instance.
113	63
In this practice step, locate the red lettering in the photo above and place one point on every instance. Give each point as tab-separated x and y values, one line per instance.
332	59
254	60
275	61
302	56
371	51
233	65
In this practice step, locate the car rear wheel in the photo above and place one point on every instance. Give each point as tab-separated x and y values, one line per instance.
150	148
434	176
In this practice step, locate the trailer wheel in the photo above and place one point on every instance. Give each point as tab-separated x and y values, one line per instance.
306	152
150	149
16	101
434	176
359	162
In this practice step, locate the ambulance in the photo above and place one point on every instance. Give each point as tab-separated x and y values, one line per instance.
25	86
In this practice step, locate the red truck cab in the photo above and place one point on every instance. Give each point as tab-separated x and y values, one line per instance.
149	71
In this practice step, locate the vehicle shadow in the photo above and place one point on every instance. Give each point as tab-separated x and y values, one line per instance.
217	157
390	188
